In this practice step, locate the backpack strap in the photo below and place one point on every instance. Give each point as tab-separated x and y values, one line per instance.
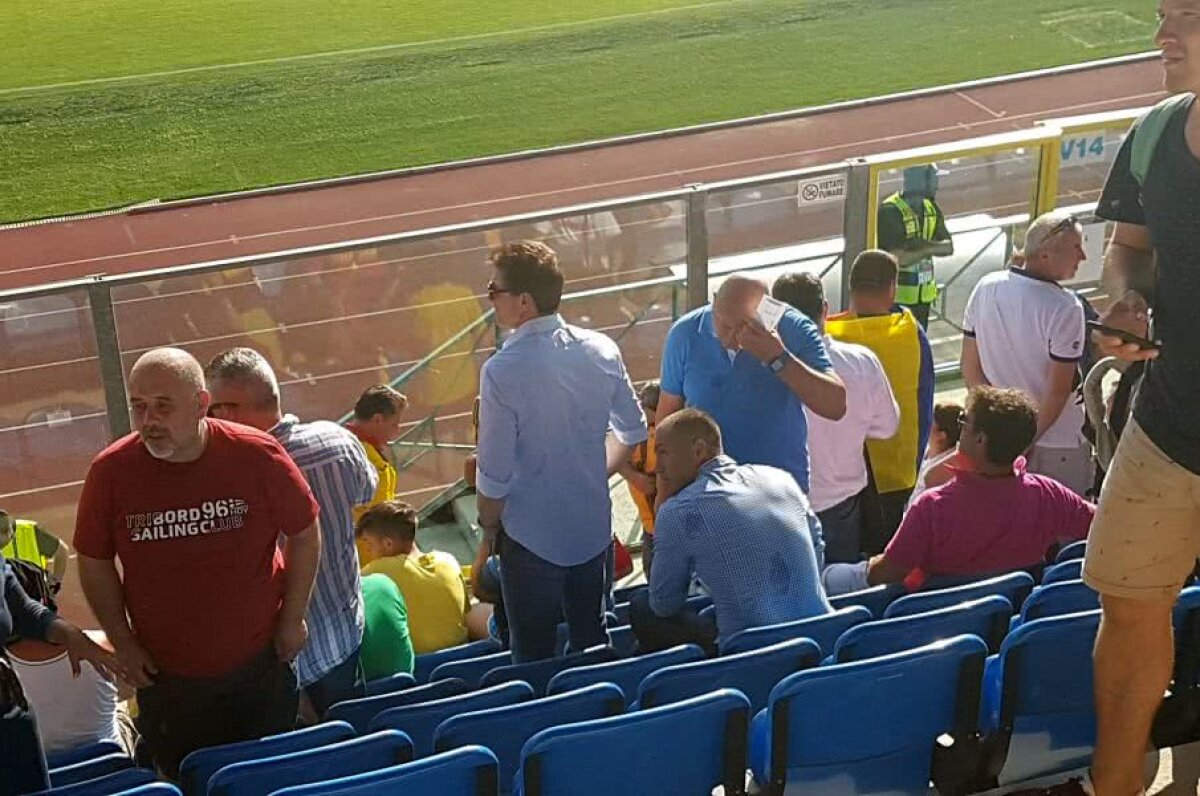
1149	129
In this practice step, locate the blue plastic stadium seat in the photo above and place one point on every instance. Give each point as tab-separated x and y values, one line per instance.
424	665
539	673
505	730
621	612
753	673
869	726
1015	587
419	722
388	685
359	712
470	771
106	785
90	769
1038	715
876	599
987	618
625	674
1072	552
470	670
622	639
1067	570
79	754
152	789
625	594
688	747
825	630
1064	597
269	774
198	767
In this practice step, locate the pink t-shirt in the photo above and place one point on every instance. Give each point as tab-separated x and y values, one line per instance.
973	525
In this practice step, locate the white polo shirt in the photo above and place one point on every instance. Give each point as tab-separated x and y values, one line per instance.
1021	324
837	469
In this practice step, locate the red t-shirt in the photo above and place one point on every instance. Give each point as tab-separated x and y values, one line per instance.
974	525
198	543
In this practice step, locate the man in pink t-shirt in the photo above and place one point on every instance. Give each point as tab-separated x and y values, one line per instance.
992	516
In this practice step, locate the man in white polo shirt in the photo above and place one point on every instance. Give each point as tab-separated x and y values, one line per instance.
1022	329
835	447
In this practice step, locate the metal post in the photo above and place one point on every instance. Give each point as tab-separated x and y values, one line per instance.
108	350
697	247
855	219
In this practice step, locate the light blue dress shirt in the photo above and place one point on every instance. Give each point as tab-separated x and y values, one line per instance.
547	401
747	532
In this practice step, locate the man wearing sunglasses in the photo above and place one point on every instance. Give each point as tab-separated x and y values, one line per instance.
557	417
1023	330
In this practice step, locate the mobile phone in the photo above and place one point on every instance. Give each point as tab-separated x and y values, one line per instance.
1124	336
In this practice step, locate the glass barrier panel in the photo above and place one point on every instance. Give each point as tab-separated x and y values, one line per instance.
983	198
778	228
53	419
1086	158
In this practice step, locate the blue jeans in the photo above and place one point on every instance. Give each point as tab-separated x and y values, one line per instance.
22	764
842	528
537	593
342	682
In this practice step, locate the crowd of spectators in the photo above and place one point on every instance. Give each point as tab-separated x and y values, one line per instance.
268	569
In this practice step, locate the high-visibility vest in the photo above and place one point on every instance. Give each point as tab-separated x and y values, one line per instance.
895	339
24	545
916	283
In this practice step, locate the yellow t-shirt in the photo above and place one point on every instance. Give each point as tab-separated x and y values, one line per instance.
385	491
644	461
433	589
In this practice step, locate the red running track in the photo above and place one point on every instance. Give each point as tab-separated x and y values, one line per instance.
231	226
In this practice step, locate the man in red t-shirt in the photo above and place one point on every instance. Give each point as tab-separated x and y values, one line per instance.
992	516
208	613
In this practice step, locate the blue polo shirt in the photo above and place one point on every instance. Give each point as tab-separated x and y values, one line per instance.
761	420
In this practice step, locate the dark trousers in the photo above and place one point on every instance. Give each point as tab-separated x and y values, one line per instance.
22	763
842	527
647	554
178	715
537	592
920	312
654	632
342	682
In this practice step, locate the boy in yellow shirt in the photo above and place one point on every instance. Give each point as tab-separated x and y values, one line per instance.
377	422
432	583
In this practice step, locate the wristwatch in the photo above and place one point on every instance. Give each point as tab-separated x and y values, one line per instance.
777	363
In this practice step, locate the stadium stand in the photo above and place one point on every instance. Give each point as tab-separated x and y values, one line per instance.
468	771
420	721
625	674
824	630
359	712
988	618
198	767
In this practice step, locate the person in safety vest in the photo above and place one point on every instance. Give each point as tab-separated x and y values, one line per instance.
913	229
24	540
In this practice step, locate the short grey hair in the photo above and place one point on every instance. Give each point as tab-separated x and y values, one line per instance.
246	366
1043	229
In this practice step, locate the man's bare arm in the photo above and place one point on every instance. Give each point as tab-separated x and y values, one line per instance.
1062	382
106	597
1128	261
972	365
880	571
302	556
668	405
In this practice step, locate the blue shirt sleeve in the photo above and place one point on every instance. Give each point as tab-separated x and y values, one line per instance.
674	354
924	397
497	449
672	572
28	617
803	341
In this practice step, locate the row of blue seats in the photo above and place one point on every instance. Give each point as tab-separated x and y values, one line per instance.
860	727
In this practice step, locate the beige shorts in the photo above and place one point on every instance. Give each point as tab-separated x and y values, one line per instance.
1146	535
1074	468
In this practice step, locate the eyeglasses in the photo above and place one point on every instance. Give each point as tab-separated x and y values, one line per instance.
493	291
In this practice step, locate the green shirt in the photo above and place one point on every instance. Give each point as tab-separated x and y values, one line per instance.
386	648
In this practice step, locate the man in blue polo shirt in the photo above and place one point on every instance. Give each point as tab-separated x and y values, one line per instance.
755	383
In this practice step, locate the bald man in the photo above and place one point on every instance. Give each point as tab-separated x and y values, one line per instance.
746	531
207	614
753	381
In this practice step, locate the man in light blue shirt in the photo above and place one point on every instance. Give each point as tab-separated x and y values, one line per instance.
745	530
753	381
548	401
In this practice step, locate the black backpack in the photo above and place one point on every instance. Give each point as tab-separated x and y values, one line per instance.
34	580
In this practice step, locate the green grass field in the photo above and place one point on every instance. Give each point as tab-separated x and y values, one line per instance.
109	102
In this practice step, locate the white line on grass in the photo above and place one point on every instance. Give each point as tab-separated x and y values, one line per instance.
96	81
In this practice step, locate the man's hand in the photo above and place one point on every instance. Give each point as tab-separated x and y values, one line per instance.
762	344
290	638
478	566
1129	314
137	667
